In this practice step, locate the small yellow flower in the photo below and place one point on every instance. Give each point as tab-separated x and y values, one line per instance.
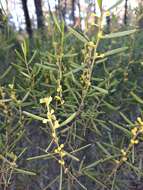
58	98
124	158
45	121
59	148
101	55
62	102
52	111
46	100
91	44
141	129
54	135
59	89
62	162
134	141
134	131
140	120
56	150
11	86
56	124
124	153
62	153
117	161
62	145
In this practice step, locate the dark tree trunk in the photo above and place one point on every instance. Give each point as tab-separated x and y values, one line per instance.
94	6
39	13
27	18
64	10
73	12
126	12
108	21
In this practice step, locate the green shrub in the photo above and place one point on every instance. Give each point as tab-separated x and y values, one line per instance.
70	117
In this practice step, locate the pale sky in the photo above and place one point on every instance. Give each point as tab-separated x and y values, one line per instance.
15	8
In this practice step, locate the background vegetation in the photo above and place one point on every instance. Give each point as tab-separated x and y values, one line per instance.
71	101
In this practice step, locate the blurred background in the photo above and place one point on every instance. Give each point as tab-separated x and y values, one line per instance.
29	14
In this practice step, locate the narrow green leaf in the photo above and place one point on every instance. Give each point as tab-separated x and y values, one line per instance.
33	56
24	171
6	72
56	22
75	70
43	156
100	4
78	35
115	51
103	91
103	149
72	157
126	119
137	98
69	119
119	34
46	67
33	116
90	175
126	131
99	161
110	106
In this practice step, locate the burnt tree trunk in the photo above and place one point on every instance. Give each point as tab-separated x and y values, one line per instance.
39	13
64	10
73	12
126	12
27	18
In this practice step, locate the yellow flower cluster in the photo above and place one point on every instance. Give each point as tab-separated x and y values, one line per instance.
138	129
51	118
85	78
54	124
60	151
91	44
124	155
12	92
140	123
59	97
46	100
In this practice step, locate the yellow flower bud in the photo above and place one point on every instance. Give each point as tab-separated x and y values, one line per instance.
124	159
56	151
123	152
54	135
136	142
56	124
134	131
62	162
91	44
139	120
45	121
117	161
62	146
59	149
62	153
